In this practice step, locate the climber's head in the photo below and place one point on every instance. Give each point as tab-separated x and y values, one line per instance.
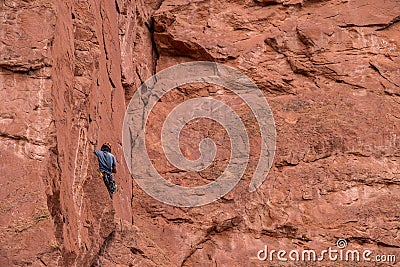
106	147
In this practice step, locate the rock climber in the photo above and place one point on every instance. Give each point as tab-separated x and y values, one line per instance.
107	166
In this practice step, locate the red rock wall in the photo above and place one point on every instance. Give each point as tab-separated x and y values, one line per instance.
329	70
63	90
27	133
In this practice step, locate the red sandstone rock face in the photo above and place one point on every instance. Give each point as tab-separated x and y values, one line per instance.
329	70
61	79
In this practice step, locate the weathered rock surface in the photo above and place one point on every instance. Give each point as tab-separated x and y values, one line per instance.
61	81
330	72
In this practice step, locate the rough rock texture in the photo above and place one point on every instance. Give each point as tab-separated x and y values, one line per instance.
330	72
61	81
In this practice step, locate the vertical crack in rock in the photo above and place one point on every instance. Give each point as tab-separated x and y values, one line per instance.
150	26
108	60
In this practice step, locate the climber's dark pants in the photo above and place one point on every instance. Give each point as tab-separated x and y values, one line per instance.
109	182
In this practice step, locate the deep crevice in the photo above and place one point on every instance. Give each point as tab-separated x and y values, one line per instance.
156	55
390	24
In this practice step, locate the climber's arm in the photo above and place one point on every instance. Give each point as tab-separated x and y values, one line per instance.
114	166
